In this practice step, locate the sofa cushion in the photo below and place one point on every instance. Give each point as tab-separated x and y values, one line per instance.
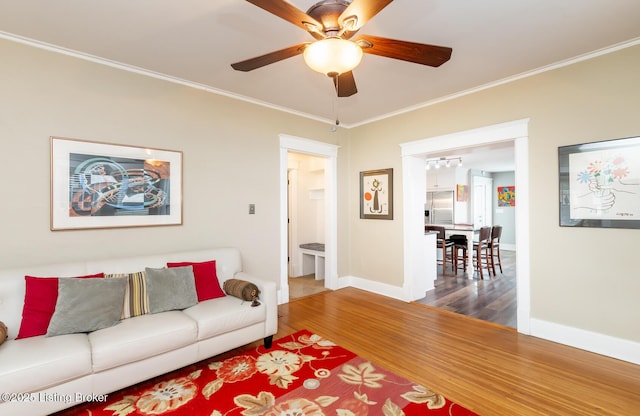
36	363
86	305
242	289
206	277
170	289
41	294
141	337
136	299
218	316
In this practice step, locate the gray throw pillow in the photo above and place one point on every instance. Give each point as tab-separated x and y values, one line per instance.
171	288
86	305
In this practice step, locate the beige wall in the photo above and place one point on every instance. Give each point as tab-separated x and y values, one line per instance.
231	158
583	278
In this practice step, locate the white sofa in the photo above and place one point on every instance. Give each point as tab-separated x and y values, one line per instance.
60	371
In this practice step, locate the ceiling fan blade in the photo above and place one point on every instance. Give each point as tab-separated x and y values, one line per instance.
358	13
345	84
290	13
269	58
418	53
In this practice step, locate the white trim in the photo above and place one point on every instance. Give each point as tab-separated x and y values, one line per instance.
489	134
308	146
293	267
157	75
330	153
420	267
527	74
523	246
516	131
618	348
383	289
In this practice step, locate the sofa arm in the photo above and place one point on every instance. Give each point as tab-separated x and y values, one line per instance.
268	297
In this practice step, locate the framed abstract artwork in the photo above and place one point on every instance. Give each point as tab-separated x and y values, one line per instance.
506	196
376	194
462	193
103	185
600	184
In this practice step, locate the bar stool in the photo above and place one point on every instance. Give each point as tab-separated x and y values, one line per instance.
494	247
443	244
459	243
481	251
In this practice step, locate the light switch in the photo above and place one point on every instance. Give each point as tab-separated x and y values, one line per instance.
252	208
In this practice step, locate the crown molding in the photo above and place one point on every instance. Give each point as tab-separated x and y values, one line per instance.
551	67
157	75
206	88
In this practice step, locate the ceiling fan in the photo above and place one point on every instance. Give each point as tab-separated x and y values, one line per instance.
333	23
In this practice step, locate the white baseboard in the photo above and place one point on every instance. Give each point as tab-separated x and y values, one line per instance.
618	348
371	286
606	345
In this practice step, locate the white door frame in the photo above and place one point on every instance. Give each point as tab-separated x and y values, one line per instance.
414	152
330	153
292	212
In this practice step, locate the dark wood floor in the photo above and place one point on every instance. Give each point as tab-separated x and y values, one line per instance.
487	368
491	299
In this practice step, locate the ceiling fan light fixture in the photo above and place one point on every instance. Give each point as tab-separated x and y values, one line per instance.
332	56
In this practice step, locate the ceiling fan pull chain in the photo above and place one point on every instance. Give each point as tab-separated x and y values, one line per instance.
336	101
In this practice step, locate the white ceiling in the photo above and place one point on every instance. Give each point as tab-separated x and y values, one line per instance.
197	40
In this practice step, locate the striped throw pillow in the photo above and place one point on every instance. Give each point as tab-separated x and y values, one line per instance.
136	300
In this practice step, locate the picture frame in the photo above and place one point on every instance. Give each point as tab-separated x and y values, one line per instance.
506	196
376	194
599	184
104	185
462	193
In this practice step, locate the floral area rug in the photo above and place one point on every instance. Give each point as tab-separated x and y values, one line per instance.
303	374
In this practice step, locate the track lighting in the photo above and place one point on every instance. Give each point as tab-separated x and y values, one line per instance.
446	161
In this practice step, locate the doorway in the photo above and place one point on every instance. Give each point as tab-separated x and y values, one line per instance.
306	224
326	155
482	197
465	291
413	154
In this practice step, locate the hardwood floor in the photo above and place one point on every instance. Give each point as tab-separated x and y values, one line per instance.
487	368
492	299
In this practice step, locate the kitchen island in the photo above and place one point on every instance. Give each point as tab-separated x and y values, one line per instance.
468	231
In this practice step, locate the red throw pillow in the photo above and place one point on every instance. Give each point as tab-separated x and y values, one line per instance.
207	284
40	297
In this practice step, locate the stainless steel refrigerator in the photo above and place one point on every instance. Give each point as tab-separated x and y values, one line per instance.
439	207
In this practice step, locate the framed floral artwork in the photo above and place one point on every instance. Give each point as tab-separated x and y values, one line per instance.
600	184
104	185
376	194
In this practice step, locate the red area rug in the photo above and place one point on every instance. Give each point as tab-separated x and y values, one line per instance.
301	375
